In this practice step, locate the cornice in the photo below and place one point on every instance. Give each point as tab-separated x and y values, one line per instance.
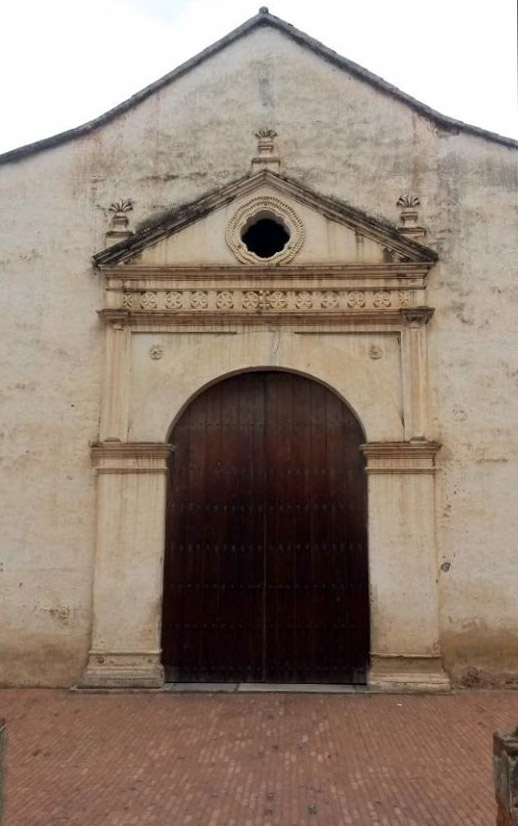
130	457
138	272
207	318
414	457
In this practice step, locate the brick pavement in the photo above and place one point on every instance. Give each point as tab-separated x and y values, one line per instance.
252	760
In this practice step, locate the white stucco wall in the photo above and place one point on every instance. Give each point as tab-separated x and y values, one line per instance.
343	138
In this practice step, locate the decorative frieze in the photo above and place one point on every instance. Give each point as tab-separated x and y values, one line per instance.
276	300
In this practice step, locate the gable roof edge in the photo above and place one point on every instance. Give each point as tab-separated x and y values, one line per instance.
263	18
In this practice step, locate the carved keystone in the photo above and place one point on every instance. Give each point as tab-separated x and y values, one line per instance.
505	776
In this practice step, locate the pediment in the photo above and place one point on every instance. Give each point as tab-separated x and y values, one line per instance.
319	230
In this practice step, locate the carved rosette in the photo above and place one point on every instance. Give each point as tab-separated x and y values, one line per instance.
174	301
265	206
279	299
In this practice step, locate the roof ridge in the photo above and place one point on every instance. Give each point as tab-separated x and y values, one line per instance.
263	18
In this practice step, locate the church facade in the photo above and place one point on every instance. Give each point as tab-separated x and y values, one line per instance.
260	369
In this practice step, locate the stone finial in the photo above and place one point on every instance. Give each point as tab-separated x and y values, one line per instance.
263	10
409	217
118	230
267	157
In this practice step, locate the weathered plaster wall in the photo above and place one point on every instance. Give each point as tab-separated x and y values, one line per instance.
192	137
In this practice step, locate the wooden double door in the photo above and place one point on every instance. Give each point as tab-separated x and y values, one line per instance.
265	576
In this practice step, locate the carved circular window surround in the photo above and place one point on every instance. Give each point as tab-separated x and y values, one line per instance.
265	206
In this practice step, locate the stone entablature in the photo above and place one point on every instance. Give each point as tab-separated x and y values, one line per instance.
365	293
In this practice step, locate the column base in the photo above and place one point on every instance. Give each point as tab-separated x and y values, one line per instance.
122	670
392	674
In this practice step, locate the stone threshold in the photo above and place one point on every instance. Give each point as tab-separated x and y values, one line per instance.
264	688
229	688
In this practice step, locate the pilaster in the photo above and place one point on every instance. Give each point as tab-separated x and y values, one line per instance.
405	652
125	650
114	409
415	370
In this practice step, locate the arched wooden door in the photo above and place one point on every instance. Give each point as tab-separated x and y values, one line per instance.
266	541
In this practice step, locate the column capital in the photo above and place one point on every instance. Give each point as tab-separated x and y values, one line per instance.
131	457
401	457
417	316
118	319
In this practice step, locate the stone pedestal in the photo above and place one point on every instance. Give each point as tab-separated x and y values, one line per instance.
505	774
128	576
405	653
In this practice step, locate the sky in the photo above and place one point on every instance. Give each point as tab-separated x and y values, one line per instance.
64	62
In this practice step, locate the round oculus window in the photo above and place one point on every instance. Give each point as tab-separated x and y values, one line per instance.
265	230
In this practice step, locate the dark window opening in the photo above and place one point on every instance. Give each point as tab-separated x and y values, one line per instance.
265	238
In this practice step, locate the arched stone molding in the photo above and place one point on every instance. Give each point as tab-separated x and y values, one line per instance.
178	378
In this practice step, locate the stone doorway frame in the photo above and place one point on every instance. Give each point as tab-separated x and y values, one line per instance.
230	300
131	495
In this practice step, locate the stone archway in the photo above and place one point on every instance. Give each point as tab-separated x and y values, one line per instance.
266	540
186	306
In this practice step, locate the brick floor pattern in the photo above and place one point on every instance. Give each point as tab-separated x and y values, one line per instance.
252	760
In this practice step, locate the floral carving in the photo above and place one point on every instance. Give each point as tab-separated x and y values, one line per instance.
408	201
277	300
382	299
174	301
330	300
250	300
266	133
225	300
199	300
234	298
121	206
303	300
356	299
149	301
405	298
156	351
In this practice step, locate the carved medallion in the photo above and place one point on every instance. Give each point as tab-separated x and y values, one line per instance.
225	300
156	351
149	301
174	300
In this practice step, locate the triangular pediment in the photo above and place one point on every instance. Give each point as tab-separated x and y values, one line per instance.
209	231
